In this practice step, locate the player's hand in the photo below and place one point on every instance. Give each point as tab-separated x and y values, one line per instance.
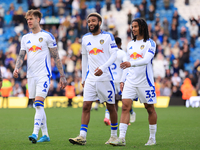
98	72
15	73
125	65
83	84
63	82
121	86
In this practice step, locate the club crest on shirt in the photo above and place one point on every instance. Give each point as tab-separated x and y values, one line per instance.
101	41
141	47
40	39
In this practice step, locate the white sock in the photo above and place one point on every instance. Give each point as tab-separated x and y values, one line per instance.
122	128
83	133
187	103
107	114
38	119
152	130
113	132
44	126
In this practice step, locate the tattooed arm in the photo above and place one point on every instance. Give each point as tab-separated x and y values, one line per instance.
54	54
19	63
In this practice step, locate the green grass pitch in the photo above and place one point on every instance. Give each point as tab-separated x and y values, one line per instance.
178	129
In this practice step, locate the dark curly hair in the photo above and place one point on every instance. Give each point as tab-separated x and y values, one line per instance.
143	29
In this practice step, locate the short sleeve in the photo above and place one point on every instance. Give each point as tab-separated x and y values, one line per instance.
23	46
51	41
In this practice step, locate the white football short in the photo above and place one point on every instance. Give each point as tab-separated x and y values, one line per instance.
102	90
38	86
145	94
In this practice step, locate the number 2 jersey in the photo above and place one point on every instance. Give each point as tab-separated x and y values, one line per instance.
140	54
38	54
97	51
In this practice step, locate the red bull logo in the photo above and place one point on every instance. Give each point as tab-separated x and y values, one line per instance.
34	48
136	55
95	51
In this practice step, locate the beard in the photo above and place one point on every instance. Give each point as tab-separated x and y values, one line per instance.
96	28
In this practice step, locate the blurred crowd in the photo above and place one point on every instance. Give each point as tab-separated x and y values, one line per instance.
168	64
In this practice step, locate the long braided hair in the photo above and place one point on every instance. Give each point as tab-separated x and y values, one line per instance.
143	29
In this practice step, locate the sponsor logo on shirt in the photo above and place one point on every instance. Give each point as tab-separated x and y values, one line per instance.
28	42
95	51
88	44
34	48
136	55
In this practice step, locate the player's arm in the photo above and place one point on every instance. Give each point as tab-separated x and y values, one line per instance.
113	51
84	62
54	54
147	58
20	60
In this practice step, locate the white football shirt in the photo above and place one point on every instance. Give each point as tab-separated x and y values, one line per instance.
98	50
115	68
38	54
140	54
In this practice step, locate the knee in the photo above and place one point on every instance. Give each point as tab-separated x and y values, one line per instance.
150	109
86	107
110	107
125	107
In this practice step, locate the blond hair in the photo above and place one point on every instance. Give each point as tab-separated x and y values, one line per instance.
35	13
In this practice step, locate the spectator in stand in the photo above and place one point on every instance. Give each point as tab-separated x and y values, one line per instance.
137	14
166	4
1	10
17	90
194	29
174	32
153	2
183	33
176	92
158	66
176	17
176	80
75	7
144	3
76	47
8	18
166	27
105	24
151	12
176	49
83	10
98	7
11	9
108	5
181	60
1	25
142	11
129	16
84	28
61	7
37	3
58	91
111	22
186	89
165	89
196	68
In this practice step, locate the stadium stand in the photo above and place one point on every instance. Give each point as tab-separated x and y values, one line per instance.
174	25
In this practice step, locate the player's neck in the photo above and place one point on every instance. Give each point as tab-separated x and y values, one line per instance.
139	37
96	33
36	30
